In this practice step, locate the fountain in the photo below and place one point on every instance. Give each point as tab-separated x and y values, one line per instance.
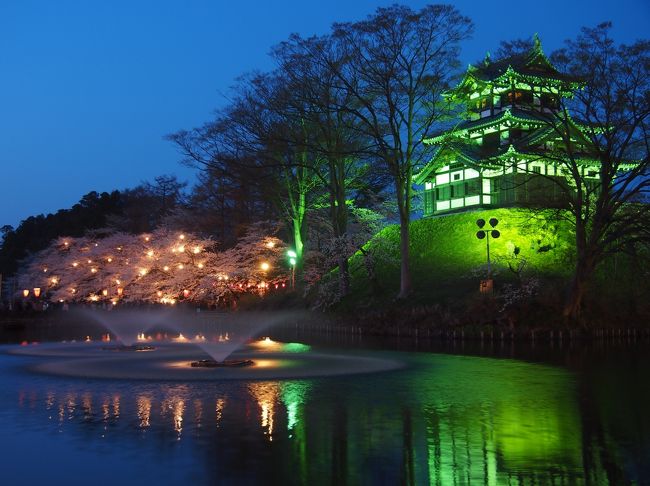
126	325
220	335
231	340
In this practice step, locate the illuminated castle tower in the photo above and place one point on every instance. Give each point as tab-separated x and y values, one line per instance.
505	151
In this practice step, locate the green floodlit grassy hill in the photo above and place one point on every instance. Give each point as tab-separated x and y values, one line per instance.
448	260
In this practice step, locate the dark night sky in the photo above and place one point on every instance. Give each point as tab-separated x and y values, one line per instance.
89	88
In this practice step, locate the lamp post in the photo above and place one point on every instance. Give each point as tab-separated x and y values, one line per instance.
292	261
486	285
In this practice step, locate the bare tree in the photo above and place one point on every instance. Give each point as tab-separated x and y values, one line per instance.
393	67
601	149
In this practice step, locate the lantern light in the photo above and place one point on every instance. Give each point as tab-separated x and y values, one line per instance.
120	291
26	293
265	266
186	293
37	292
104	292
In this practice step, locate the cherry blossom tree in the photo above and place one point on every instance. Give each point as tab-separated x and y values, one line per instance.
164	266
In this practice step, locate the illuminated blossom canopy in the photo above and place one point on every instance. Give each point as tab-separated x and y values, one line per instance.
163	267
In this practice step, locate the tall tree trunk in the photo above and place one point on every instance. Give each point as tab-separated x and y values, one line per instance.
403	186
573	307
405	285
585	264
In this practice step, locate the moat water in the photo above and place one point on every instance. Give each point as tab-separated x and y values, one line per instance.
491	413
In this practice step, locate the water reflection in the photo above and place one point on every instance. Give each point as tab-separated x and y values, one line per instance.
445	420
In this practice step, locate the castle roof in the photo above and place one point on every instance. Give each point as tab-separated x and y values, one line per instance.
532	66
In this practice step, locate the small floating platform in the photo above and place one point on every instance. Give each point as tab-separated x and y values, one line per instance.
229	363
133	347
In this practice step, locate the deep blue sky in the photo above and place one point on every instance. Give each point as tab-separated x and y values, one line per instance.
89	88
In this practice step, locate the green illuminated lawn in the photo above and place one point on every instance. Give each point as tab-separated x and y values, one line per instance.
447	259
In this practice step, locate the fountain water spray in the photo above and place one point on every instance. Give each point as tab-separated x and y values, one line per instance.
221	334
127	324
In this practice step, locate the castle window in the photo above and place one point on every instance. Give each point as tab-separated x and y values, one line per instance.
515	134
491	141
456	177
549	101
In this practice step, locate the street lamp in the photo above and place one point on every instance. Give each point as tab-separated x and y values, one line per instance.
486	285
293	259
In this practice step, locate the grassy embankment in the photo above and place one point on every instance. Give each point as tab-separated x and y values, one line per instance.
448	261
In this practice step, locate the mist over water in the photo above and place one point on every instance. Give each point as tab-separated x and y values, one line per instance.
221	334
218	334
126	324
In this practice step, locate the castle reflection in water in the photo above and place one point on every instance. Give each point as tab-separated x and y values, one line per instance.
445	420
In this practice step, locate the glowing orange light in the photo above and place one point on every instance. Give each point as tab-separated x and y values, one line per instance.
197	249
109	259
74	264
104	292
120	291
54	281
265	266
186	293
143	272
180	266
93	270
159	293
182	237
37	292
26	293
200	265
166	268
150	253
